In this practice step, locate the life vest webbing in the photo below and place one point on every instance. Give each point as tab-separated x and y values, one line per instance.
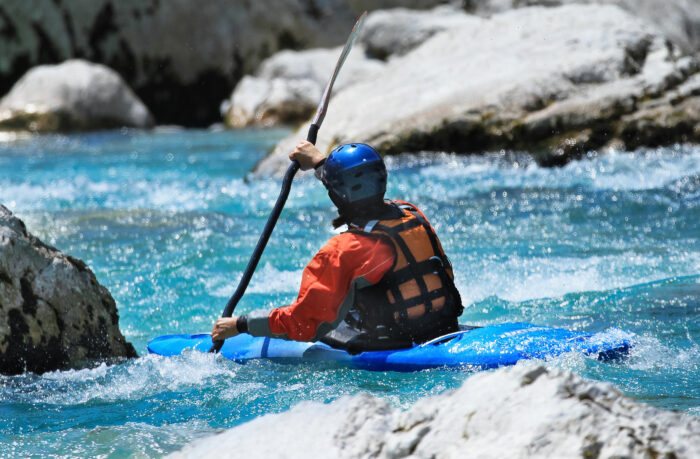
413	271
401	227
433	239
413	278
448	280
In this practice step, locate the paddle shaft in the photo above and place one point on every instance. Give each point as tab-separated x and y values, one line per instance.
264	237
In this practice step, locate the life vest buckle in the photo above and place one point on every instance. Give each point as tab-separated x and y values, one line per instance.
437	264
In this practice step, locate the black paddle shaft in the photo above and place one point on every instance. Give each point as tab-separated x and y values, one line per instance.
264	237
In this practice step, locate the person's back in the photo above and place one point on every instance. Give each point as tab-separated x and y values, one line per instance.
385	283
415	300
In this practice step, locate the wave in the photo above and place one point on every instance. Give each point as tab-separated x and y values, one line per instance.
644	169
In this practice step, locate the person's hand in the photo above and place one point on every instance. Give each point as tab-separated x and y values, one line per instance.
306	154
224	328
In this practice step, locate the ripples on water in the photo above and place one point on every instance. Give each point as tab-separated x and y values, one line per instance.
167	221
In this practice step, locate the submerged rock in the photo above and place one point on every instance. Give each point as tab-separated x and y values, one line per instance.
74	95
554	81
523	411
53	312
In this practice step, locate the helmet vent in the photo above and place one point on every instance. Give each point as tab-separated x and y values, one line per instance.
353	145
356	187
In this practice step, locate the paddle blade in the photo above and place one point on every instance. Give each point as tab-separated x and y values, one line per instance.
323	104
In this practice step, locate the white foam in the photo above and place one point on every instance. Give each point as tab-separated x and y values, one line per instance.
267	279
641	170
271	280
146	375
520	279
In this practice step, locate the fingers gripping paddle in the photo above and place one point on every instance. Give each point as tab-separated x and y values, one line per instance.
287	182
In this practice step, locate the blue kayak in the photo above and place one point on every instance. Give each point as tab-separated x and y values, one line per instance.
474	348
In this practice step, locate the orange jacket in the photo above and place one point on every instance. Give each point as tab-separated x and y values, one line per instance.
325	284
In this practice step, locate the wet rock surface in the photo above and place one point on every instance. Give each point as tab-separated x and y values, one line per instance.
557	82
181	57
54	314
74	95
523	411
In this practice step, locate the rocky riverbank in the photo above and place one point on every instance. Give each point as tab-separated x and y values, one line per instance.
557	82
181	57
54	314
525	411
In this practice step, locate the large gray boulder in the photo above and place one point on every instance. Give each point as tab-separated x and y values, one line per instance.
74	95
525	411
679	20
287	87
554	81
53	312
182	57
395	32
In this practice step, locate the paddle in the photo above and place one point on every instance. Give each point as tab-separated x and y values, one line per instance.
287	182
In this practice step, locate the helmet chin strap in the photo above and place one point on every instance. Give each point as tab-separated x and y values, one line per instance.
348	211
343	207
344	212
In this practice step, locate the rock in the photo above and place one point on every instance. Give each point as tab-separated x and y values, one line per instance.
652	126
182	57
523	411
288	86
53	312
679	20
397	31
528	79
74	95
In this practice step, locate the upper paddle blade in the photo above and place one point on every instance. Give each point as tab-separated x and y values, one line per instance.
323	104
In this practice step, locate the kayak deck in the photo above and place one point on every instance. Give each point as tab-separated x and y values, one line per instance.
479	348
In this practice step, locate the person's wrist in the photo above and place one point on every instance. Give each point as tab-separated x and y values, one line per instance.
320	163
242	324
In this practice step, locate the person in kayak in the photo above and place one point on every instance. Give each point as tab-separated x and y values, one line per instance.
385	283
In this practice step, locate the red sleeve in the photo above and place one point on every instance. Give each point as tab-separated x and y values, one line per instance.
326	281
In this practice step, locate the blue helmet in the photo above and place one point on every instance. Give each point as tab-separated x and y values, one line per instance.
354	172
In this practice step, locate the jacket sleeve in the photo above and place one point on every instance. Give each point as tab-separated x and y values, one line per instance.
327	282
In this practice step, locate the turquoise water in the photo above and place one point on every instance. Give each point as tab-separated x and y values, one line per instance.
167	222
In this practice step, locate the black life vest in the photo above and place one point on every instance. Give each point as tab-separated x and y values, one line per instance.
414	302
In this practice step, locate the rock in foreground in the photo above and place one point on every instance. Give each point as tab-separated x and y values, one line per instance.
74	95
53	312
523	411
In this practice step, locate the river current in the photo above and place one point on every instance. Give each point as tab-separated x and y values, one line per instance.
167	220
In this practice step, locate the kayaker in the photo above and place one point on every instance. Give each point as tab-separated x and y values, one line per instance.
385	283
